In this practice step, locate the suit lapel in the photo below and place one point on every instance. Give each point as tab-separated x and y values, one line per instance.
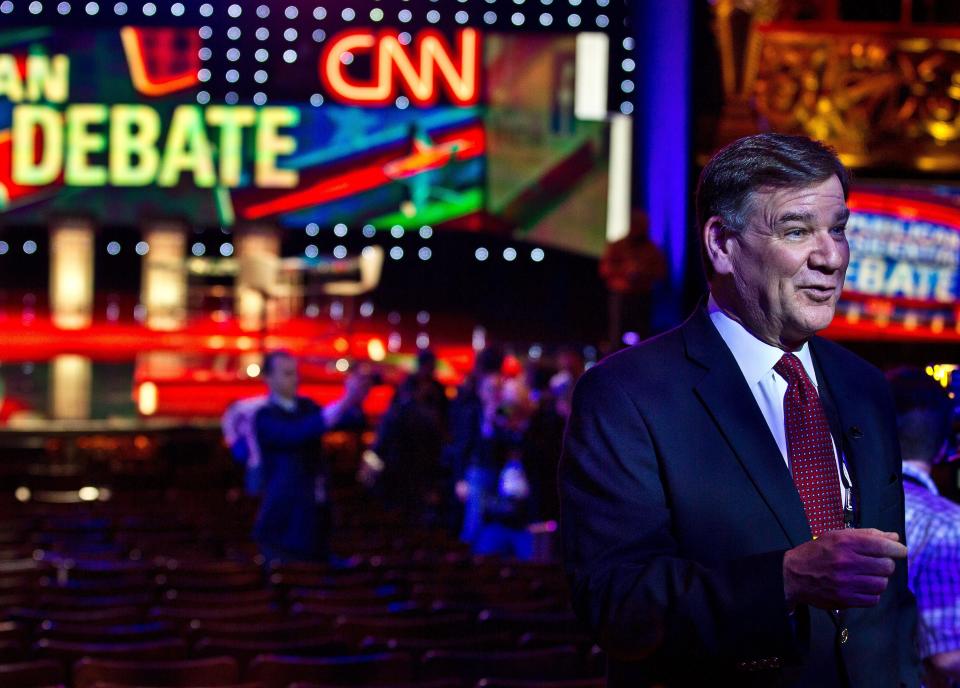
730	402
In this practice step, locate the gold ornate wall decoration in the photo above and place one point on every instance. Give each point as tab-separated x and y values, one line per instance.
887	97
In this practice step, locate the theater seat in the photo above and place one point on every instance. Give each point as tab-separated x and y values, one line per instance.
109	615
44	672
13	631
68	651
287	629
244	650
97	633
438	626
275	671
493	620
210	672
420	646
550	663
102	684
441	683
577	683
185	615
534	639
11	651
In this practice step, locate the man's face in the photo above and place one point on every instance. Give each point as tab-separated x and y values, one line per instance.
789	262
283	378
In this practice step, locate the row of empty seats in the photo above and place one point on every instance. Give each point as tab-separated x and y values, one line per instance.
166	589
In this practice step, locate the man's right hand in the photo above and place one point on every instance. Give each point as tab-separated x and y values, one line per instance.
356	388
841	568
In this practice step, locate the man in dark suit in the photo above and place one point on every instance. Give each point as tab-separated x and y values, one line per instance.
732	504
294	520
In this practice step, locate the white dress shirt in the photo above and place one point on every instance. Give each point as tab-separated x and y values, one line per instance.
756	359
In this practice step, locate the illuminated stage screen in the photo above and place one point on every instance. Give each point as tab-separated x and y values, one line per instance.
127	124
904	276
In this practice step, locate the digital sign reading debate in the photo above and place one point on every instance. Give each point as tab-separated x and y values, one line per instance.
91	144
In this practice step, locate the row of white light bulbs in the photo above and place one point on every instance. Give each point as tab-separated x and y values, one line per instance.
29	247
340	252
178	9
290	34
149	9
348	14
316	100
510	254
290	55
261	76
398	232
369	231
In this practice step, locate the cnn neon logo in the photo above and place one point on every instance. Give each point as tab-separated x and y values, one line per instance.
419	70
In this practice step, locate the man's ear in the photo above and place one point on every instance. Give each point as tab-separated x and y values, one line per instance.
718	240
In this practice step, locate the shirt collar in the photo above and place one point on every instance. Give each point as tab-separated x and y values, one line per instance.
288	405
756	358
914	470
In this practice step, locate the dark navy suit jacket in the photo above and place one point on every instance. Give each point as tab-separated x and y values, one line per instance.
677	509
290	524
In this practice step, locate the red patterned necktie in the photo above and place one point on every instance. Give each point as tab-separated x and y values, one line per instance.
809	448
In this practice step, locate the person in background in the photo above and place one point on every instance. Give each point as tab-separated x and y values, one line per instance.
933	522
569	370
294	519
498	506
542	445
464	443
410	441
237	427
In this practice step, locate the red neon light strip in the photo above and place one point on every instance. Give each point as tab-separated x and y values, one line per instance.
359	180
866	329
902	301
134	41
905	208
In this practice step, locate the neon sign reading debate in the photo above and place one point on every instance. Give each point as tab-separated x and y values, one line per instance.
900	257
419	70
903	248
91	144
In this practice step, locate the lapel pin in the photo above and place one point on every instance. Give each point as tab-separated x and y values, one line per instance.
855	432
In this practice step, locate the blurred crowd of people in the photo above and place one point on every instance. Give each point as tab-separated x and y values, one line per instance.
483	462
480	461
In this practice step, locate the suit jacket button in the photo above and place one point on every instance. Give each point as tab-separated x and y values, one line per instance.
844	635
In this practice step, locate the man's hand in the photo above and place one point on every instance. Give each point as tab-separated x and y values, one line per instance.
841	568
356	388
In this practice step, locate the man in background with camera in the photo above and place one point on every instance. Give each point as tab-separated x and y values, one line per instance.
294	519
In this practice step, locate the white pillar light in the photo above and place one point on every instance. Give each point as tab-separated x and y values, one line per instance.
71	274
590	84
257	251
71	382
163	289
618	189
